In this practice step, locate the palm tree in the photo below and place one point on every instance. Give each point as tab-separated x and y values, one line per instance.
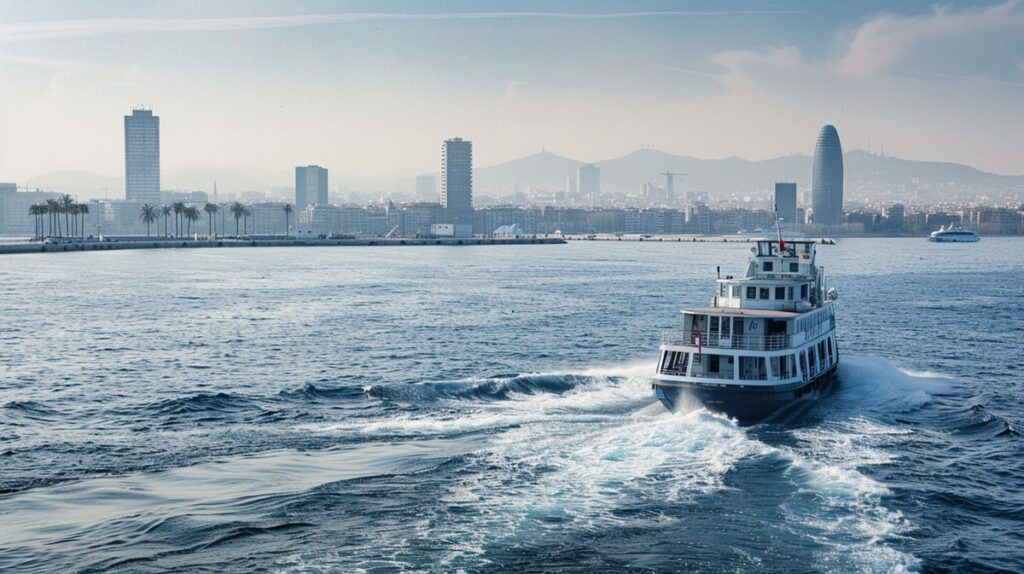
287	215
245	226
237	211
166	212
66	201
191	213
149	214
33	210
211	210
83	209
53	206
179	209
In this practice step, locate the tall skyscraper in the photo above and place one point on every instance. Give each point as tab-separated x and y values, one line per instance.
588	180
142	157
457	180
785	202
827	179
310	186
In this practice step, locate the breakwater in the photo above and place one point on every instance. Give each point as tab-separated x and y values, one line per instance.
166	243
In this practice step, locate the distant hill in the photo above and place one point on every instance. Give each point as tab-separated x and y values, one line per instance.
733	174
89	185
546	170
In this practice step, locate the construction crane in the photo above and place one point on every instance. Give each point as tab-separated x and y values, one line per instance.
670	192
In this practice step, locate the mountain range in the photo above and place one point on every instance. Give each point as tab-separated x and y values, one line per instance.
548	171
733	174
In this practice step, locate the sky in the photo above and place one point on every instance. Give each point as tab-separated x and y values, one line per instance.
372	88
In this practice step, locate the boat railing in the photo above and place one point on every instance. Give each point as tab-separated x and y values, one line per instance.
728	375
715	341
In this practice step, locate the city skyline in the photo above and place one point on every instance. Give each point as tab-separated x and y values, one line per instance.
877	72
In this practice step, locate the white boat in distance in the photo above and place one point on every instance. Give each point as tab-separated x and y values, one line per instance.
954	234
768	339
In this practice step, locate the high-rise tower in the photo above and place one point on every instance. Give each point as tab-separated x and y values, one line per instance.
310	186
457	180
588	180
827	179
142	157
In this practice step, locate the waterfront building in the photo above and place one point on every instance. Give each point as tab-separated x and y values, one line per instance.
14	216
268	218
785	203
588	180
457	180
894	216
827	179
142	157
418	217
310	186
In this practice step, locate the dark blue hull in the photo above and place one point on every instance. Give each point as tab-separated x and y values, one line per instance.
747	405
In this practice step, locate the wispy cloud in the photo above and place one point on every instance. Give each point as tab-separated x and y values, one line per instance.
26	31
682	70
889	39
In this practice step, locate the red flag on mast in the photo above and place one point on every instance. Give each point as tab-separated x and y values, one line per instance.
778	226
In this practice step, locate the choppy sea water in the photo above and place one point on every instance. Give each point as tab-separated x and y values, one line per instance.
488	409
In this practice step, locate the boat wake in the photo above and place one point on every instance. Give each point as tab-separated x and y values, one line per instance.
475	472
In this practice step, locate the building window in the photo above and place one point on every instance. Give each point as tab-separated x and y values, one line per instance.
794	267
764	293
751	292
780	293
767	266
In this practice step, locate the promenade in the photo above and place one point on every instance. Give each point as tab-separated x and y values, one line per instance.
13	247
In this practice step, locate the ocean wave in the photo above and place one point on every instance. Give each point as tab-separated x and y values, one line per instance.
878	384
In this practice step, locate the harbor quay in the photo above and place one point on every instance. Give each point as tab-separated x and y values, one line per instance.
14	247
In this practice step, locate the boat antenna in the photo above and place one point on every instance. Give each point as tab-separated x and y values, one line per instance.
778	227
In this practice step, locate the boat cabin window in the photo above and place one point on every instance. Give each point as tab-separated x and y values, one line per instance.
751	292
674	363
821	353
830	353
735	291
790	292
803	291
764	293
803	362
714	324
780	293
712	366
767	265
753	369
794	267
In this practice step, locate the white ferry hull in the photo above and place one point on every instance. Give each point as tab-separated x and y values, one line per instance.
962	239
748	404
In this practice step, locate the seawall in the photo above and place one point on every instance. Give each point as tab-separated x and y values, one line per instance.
164	243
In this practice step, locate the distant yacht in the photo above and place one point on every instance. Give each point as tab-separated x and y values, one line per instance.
767	340
954	234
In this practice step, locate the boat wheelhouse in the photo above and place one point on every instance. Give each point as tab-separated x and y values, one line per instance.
767	338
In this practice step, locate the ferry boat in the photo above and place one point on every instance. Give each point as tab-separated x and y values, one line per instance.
954	234
767	340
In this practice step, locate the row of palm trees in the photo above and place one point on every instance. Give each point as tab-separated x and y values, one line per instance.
47	215
186	215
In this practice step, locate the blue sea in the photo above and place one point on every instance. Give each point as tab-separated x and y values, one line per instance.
489	409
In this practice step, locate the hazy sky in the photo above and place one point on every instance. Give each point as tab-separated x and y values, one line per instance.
371	88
